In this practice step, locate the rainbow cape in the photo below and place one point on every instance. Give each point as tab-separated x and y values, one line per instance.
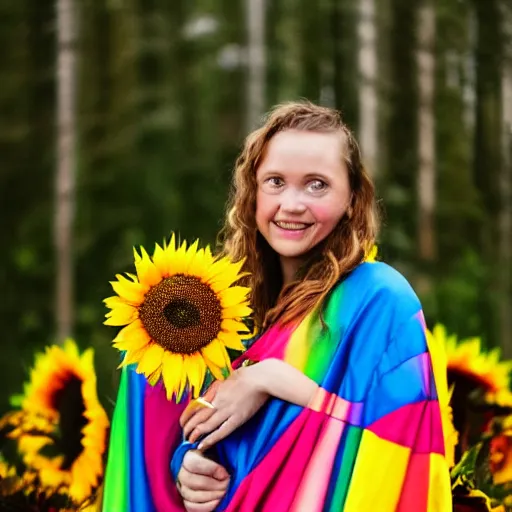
370	440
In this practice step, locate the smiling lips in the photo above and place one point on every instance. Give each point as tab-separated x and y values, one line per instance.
292	226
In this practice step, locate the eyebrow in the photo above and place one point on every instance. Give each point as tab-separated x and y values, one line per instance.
317	175
310	175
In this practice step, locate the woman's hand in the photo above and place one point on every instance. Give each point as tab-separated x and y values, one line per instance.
201	482
238	398
235	400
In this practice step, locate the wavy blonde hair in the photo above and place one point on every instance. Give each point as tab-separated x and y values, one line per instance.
342	250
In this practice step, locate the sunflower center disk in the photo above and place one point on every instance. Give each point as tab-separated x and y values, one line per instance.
181	314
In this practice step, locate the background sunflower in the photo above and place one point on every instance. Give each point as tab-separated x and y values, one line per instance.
181	313
479	380
61	429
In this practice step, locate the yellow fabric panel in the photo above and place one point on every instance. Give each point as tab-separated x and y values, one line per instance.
439	492
378	475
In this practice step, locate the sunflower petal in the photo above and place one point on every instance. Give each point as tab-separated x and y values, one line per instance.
214	352
151	360
190	255
121	314
172	367
170	246
208	255
219	267
197	264
183	383
179	259
216	371
130	291
147	272
226	272
132	337
155	376
131	357
113	301
230	325
231	340
195	367
234	296
161	261
239	311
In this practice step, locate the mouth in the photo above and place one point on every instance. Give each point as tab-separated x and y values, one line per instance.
292	226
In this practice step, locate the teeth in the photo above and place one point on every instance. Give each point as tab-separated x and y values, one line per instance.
291	225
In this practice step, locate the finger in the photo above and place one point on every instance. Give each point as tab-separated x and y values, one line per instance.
193	408
217	435
195	420
211	424
200	496
195	462
201	507
198	482
211	391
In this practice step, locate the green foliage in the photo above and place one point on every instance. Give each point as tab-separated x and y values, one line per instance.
161	113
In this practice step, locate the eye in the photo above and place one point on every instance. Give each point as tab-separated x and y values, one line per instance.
317	186
274	182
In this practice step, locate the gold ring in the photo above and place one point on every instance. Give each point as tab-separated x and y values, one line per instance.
204	403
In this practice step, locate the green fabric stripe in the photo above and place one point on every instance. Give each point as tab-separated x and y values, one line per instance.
322	340
350	451
115	494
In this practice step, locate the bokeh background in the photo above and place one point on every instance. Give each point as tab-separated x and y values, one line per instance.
120	121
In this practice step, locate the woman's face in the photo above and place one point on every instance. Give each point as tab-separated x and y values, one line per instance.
303	192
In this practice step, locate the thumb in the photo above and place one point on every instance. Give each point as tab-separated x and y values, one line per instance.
195	462
220	473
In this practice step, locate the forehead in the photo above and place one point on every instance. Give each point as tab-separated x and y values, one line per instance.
301	150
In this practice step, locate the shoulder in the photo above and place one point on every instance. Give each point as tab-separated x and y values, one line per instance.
382	276
398	308
372	305
382	285
374	314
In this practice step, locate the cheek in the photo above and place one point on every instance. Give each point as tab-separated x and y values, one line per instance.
327	214
266	206
265	209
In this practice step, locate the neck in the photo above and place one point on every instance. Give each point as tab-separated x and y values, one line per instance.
289	268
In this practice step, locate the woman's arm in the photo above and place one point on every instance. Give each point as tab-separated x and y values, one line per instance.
281	380
238	398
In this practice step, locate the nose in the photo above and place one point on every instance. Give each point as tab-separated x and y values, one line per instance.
292	201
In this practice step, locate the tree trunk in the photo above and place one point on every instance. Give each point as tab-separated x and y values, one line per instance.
255	19
488	158
401	137
426	133
310	46
66	163
505	224
367	63
343	37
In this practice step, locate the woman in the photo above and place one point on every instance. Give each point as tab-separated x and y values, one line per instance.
334	406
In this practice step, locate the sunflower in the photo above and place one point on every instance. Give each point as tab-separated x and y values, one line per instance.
468	360
451	436
6	470
473	373
61	429
181	313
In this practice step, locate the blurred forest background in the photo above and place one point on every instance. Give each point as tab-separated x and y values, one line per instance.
121	120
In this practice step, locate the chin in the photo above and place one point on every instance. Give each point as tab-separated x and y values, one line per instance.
288	252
